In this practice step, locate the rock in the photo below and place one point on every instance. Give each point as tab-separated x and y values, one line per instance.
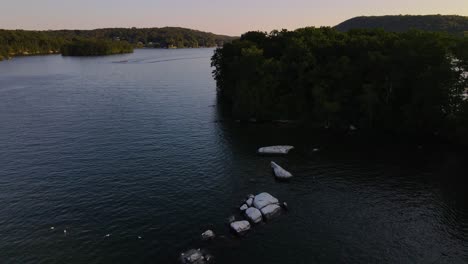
240	226
208	258
279	150
270	211
253	215
208	234
195	256
231	219
284	121
280	173
264	199
249	201
244	207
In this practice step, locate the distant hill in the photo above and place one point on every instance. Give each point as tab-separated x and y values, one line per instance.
165	37
453	24
25	42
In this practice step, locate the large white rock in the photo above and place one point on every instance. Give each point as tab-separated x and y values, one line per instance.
270	211
279	150
263	199
253	215
240	226
279	172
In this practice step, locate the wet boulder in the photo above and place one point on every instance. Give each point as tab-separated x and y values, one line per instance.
253	215
270	211
249	201
263	199
279	172
244	207
240	227
275	150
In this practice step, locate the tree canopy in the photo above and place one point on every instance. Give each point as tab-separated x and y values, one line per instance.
22	42
406	83
92	47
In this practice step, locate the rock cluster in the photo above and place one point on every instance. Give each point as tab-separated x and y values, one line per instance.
258	208
195	256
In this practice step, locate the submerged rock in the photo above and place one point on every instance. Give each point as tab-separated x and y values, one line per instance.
231	219
195	256
253	215
264	199
208	234
270	211
240	226
275	150
279	172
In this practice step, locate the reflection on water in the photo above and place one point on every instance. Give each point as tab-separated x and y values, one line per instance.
119	145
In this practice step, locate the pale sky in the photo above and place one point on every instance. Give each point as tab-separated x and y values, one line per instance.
231	17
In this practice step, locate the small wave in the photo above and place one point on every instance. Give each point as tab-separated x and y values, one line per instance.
176	59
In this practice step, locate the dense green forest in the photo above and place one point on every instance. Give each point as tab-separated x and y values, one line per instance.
452	24
21	42
93	47
402	83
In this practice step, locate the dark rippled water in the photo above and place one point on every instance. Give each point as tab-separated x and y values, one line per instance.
128	146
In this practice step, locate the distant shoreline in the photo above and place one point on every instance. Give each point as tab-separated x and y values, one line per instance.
59	53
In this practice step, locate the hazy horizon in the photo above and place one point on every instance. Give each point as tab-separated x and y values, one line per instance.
222	17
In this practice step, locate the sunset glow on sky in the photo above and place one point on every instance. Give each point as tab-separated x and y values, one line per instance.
222	17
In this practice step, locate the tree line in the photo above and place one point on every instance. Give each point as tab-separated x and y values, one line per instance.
22	42
404	83
93	47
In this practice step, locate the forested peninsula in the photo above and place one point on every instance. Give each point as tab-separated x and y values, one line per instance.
410	83
23	42
93	47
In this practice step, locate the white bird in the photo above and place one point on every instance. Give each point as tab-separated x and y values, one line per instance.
65	231
108	235
52	228
139	237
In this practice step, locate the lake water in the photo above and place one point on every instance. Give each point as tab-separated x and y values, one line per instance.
129	146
